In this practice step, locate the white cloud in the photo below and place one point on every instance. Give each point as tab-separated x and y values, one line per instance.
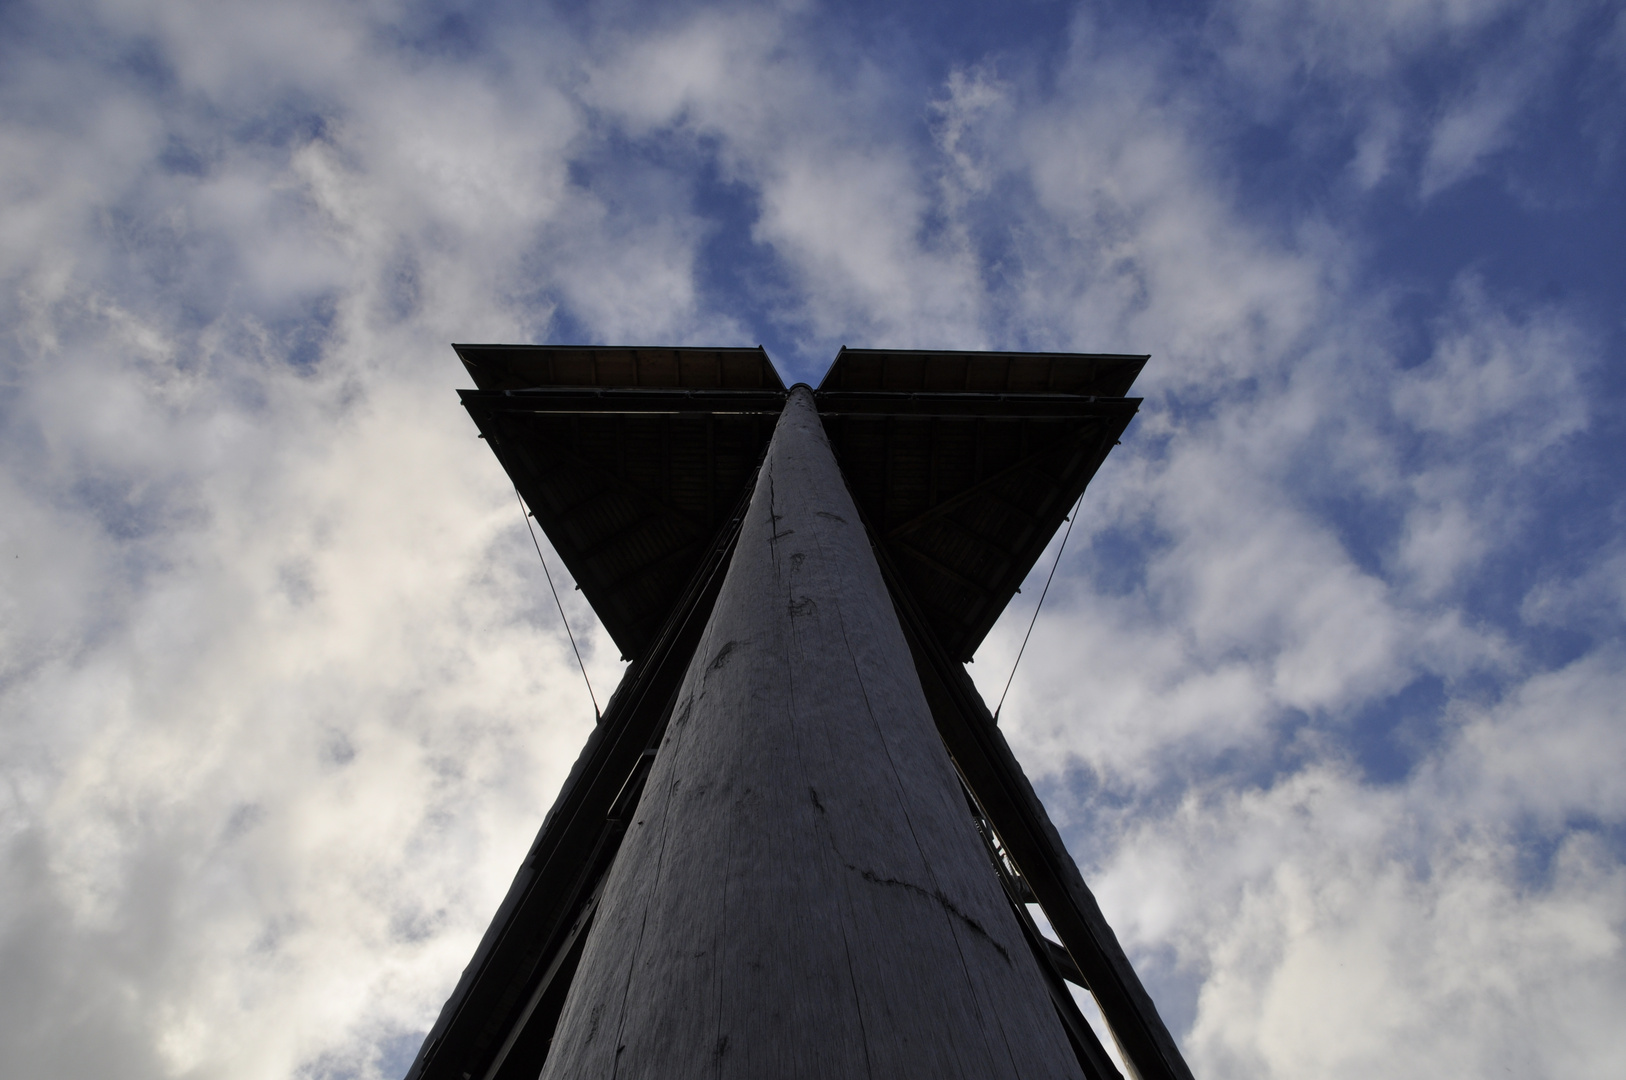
1496	59
1594	599
283	704
285	695
1550	752
842	203
1272	38
1470	130
1489	370
1337	930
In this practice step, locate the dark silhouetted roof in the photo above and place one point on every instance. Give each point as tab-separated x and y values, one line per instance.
965	464
521	367
1090	374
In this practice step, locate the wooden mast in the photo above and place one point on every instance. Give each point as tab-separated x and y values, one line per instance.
641	464
801	891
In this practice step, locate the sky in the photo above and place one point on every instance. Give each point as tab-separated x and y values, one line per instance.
1325	699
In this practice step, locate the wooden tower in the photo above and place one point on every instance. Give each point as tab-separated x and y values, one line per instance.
796	844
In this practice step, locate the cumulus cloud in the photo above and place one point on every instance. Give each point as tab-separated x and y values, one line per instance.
843	203
1325	951
275	646
1435	88
1340	929
285	696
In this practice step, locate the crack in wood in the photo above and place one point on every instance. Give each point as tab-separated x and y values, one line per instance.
720	661
937	895
592	1022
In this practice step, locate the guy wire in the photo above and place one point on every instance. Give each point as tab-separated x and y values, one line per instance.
1040	604
538	545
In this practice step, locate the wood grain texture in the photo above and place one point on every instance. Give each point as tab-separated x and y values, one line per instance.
802	892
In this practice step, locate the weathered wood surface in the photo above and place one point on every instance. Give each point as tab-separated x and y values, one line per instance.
802	892
993	773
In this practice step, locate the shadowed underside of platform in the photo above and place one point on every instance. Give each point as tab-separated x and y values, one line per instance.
632	476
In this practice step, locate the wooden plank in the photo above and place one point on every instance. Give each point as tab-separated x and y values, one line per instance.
801	892
1104	374
1054	960
515	367
631	401
561	867
954	403
994	776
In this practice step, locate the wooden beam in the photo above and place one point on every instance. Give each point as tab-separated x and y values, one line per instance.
802	892
633	400
960	404
1054	961
995	778
581	832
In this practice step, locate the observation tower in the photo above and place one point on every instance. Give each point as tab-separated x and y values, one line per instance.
796	844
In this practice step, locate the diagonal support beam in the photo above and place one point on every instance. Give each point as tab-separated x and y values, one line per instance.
996	779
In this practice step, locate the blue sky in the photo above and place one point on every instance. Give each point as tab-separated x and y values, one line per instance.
1326	696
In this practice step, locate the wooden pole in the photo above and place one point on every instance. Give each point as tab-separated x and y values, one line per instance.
801	892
